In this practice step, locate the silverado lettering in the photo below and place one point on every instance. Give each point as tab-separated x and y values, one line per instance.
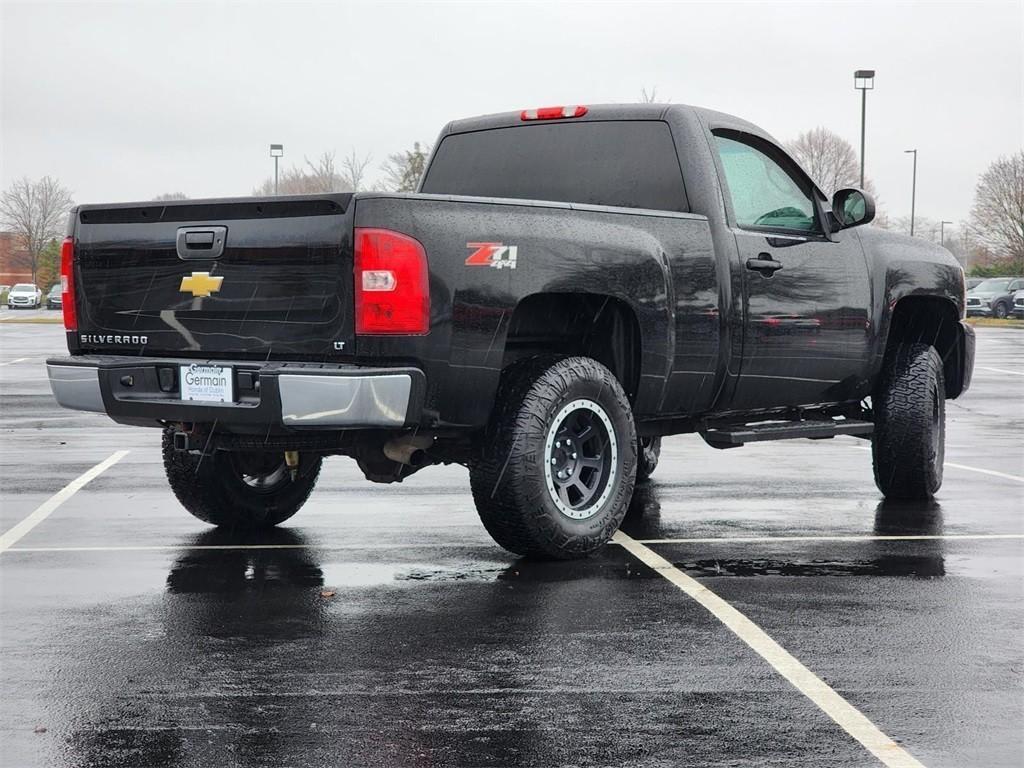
97	338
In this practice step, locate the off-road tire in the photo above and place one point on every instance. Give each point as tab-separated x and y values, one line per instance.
908	445
211	488
508	477
648	451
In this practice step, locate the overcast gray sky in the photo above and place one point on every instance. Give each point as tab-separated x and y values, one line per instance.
127	101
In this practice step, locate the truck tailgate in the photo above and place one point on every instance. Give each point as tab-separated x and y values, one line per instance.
255	278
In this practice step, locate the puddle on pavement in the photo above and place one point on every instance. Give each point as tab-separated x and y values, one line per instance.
921	567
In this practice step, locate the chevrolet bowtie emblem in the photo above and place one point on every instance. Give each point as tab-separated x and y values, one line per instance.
200	284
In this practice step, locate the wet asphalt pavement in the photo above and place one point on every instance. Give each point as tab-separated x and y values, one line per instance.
384	628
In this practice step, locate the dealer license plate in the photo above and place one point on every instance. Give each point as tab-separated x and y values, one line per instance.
208	383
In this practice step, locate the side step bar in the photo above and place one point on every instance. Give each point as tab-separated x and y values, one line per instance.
815	430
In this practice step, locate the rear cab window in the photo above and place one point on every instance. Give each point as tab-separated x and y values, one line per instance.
622	163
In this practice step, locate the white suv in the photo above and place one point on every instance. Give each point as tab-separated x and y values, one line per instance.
25	295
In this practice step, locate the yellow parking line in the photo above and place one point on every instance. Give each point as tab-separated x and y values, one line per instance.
847	716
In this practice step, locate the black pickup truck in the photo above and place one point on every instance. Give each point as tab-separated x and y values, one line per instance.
568	285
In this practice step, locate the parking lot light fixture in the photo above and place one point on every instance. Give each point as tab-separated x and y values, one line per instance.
942	232
276	151
913	189
863	81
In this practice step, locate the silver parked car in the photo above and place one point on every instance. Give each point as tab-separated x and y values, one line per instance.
993	297
25	295
1018	304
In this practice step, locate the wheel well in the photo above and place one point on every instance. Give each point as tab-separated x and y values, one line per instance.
601	327
931	320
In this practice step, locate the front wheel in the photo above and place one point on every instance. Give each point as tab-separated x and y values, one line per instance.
239	489
556	472
1000	310
909	441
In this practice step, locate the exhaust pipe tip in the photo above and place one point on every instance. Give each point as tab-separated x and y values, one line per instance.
409	450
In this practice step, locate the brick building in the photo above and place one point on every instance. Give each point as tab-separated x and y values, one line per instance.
15	266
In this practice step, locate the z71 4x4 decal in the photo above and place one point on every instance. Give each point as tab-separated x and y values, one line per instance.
497	255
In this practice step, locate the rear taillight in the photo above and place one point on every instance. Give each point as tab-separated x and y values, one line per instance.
392	290
67	284
552	113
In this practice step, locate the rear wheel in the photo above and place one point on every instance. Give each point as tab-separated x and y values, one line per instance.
647	454
239	489
909	442
559	460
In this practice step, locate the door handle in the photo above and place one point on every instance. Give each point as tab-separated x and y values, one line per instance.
764	264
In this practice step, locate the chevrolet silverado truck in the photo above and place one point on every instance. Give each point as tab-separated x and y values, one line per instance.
567	286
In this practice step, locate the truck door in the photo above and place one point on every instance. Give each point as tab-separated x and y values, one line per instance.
806	294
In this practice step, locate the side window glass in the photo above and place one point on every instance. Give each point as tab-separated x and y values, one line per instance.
763	194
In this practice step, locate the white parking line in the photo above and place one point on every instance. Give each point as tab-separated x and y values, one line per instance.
367	546
215	547
18	360
770	539
11	537
1000	370
848	717
992	472
30	420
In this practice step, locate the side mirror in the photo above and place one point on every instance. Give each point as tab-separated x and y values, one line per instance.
851	208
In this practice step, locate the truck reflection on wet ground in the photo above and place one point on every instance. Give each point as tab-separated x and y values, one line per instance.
208	566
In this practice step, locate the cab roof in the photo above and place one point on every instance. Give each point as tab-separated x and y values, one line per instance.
599	112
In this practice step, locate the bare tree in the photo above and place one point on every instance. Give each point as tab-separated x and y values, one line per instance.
35	211
353	171
649	98
997	216
829	159
924	227
170	196
320	176
292	181
402	170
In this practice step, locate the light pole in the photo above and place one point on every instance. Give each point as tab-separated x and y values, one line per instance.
942	232
276	151
863	81
913	189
